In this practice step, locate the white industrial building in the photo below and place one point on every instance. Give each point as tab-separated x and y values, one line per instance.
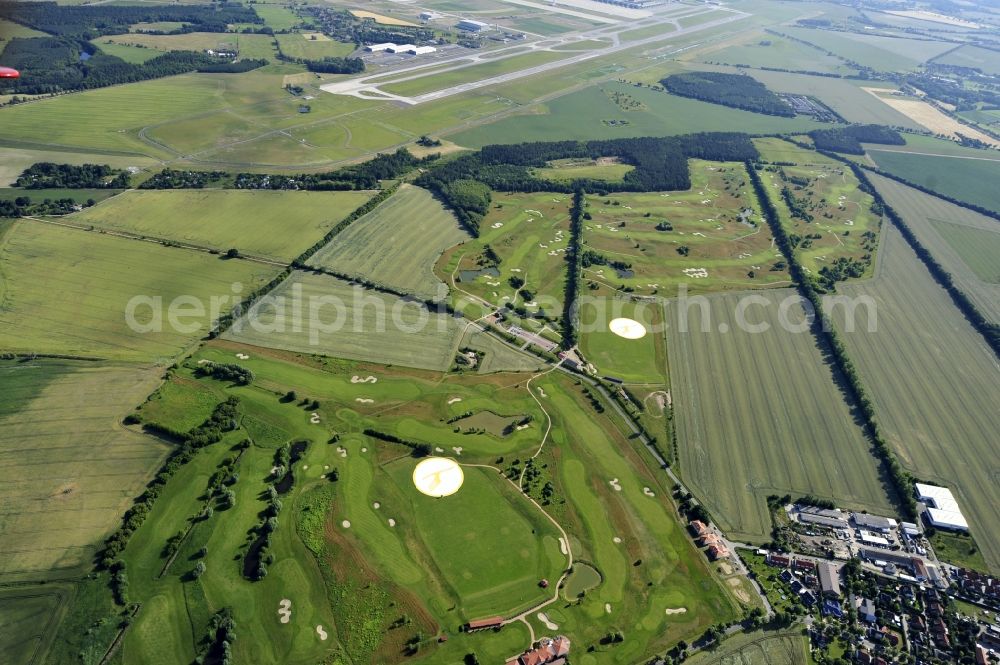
869	538
421	50
942	508
400	48
472	26
380	48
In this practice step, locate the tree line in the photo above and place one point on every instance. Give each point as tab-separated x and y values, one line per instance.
848	140
88	22
737	91
359	176
828	337
659	163
58	64
222	420
573	260
48	175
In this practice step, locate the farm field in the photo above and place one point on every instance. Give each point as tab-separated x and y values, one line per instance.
971	56
768	50
651	243
345	321
299	45
93	290
931	146
832	219
930	117
529	234
30	616
388	557
635	361
127	52
397	244
81	196
779	425
885	54
68	468
969	180
961	240
587	114
277	16
273	224
936	413
789	648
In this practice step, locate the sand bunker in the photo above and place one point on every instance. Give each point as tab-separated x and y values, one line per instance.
616	540
322	633
362	400
285	610
367	379
392	522
346	524
458	450
676	610
376	505
242	356
314	418
615	485
648	492
456	399
607	607
562	546
544	618
438	476
627	328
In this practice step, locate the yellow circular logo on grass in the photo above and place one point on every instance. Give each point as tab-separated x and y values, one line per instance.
627	328
438	476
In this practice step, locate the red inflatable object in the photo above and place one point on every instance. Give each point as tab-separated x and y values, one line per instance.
8	73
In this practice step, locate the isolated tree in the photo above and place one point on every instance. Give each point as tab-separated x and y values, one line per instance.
199	570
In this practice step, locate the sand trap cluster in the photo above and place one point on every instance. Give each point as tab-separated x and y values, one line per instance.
367	379
314	418
544	618
392	522
615	485
458	450
242	356
285	610
648	492
321	632
342	451
438	476
627	328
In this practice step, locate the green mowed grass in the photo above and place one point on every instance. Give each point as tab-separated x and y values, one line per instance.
108	117
639	361
530	233
767	50
477	553
127	52
476	72
933	382
971	56
10	30
67	291
585	115
489	544
274	224
831	194
958	238
68	468
345	321
564	170
705	246
979	249
758	412
298	45
881	53
81	196
13	161
397	244
968	180
277	16
250	46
